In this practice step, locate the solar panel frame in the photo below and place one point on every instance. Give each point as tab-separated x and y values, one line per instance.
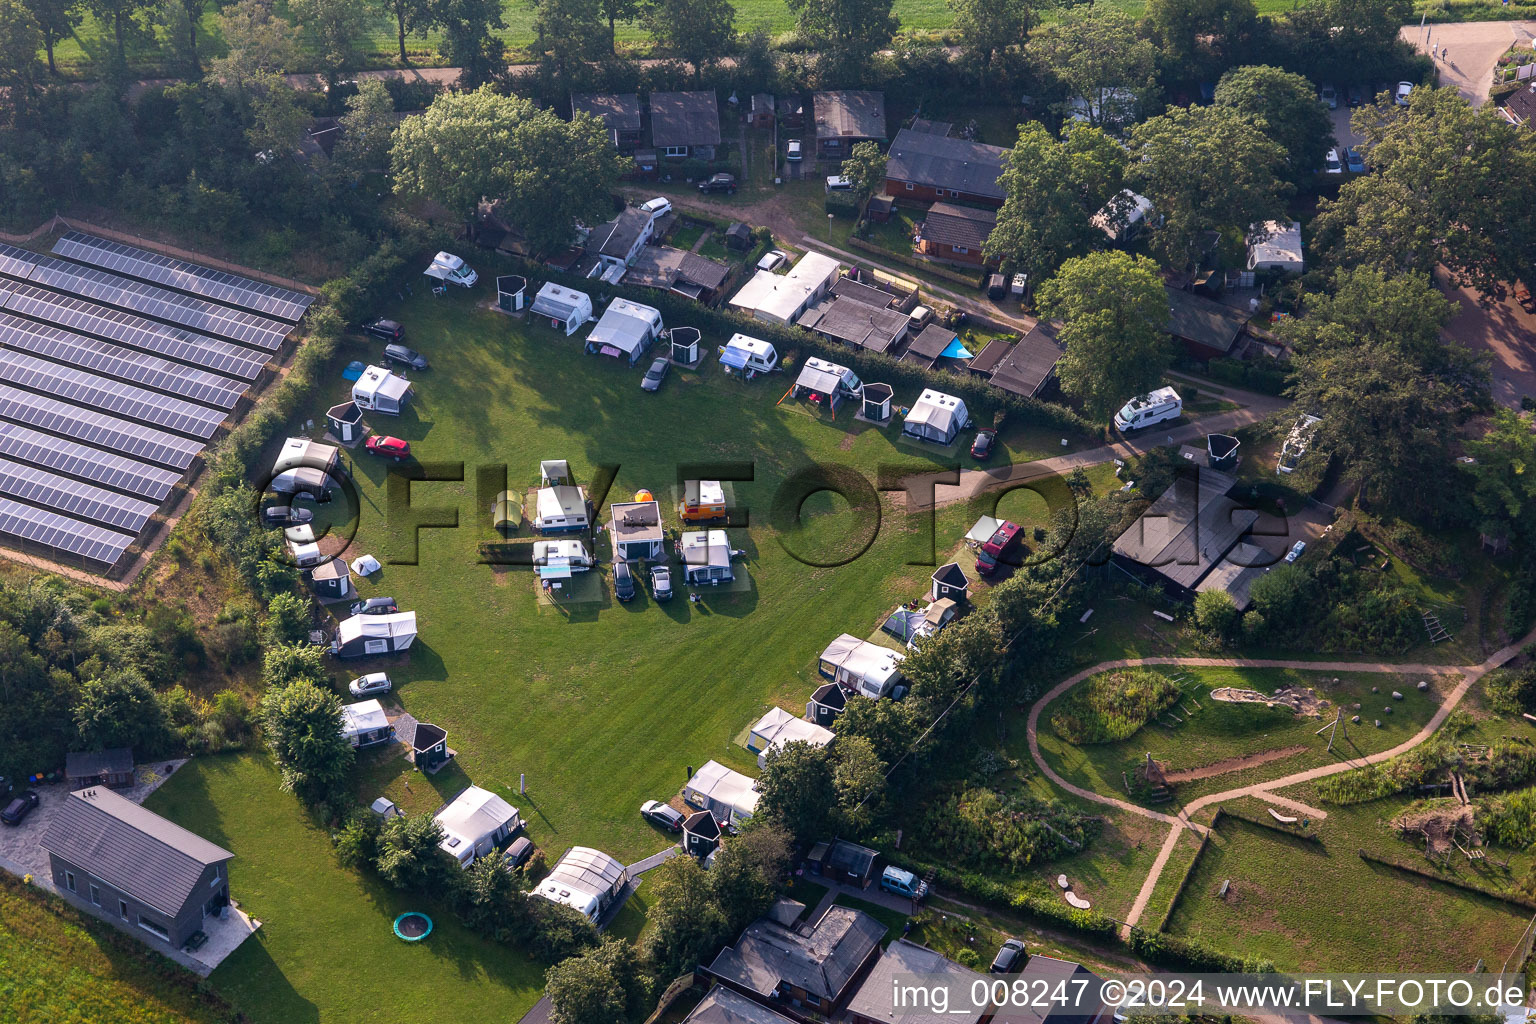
156	302
109	469
97	428
61	533
82	500
18	262
233	289
64	346
177	343
94	392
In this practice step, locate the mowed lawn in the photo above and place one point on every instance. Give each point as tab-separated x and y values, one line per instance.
326	950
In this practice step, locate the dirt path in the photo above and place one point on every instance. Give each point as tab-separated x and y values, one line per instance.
1295	805
1233	764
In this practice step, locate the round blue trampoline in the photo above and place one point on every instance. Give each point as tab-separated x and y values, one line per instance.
413	926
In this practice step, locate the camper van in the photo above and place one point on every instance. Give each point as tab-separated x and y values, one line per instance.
570	553
1144	410
703	501
745	353
449	269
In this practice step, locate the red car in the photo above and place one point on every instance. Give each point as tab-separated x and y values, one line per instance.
1003	538
391	447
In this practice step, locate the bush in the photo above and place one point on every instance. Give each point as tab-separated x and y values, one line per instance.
983	828
1216	614
1113	706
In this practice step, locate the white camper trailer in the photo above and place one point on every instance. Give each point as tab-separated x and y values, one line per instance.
378	390
936	417
474	823
450	269
586	880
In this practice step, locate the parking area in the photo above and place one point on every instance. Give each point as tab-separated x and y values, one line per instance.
1503	329
1472	50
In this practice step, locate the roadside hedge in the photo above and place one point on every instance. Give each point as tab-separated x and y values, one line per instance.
975	280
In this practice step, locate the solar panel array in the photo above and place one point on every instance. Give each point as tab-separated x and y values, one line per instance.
113	376
187	277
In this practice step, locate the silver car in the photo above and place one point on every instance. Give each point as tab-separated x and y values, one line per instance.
373	682
654	376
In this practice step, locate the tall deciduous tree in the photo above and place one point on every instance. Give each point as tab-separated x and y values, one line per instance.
368	128
616	11
548	173
601	986
748	871
335	29
568	33
408	15
259	42
1401	311
685	921
1115	319
698	31
20	39
303	727
119	710
408	853
1503	472
1204	169
57	20
1102	61
797	791
849	32
1052	189
989	28
1286	108
1199	37
122	15
467	40
860	777
865	170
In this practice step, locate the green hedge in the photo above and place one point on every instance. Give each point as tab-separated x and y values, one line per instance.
1262	375
977	280
1503	897
1167	950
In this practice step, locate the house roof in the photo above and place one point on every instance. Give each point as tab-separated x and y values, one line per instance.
721	1005
1520	108
1209	324
822	960
636	520
1025	367
849	113
901	961
762	103
922	124
930	344
418	735
951	575
850	858
619	112
117	761
1186	531
1237	573
685	119
941	162
702	823
962	226
855	322
617	237
782	296
987	359
1050	974
662	266
848	288
130	848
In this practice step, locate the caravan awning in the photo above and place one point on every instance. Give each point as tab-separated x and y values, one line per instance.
562	571
982	532
735	358
814	378
956	350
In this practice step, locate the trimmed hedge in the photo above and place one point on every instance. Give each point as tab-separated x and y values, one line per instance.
1181	954
1503	897
1178	894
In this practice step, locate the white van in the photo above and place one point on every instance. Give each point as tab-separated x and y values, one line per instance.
1145	410
450	269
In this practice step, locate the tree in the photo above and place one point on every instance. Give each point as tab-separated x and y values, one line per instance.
1052	189
860	778
467	40
748	871
408	853
1216	614
303	726
409	16
568	34
1357	35
989	28
698	31
121	15
259	43
1447	189
20	39
1401	311
616	11
489	899
1204	169
1200	37
1115	319
180	18
289	663
287	620
685	920
865	170
1286	108
120	710
601	986
368	129
548	173
1100	58
56	19
848	32
335	29
797	791
1503	472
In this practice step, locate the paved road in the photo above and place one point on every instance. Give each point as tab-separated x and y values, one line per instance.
1474	49
1263	790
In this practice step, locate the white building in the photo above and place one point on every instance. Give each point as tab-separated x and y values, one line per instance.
729	795
363	724
779	727
781	298
1279	248
861	666
474	823
585	879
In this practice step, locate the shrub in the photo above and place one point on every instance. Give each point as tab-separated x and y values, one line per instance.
983	828
1215	613
1511	820
1113	706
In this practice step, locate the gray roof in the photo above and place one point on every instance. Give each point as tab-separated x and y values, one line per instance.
922	124
78	764
721	1005
857	323
903	960
151	859
619	235
1027	365
1187	530
1194	318
821	961
942	162
928	346
830	695
662	266
964	226
685	119
619	112
850	857
1051	972
867	294
850	113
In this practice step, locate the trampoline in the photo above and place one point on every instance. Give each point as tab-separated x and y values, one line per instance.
413	926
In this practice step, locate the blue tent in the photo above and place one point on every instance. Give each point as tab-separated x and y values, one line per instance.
955	350
353	371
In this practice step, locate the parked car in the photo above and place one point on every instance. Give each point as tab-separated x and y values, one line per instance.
373	682
389	447
1331	164
623	581
903	883
375	606
1003	539
1330	97
655	375
1404	90
1356	95
658	813
792	150
657	207
1296	550
388	330
661	583
838	183
1007	958
981	448
518	853
997	286
17	810
450	269
1354	161
406	357
286	515
772	259
719	183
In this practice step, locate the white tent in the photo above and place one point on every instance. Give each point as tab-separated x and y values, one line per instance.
474	822
362	635
706	556
585	879
365	565
566	308
861	666
729	795
982	532
625	331
364	723
779	727
554	471
1279	248
381	391
935	417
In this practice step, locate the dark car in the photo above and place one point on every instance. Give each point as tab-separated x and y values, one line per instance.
286	515
658	813
375	606
981	448
1007	959
1356	95
518	853
719	183
654	376
406	357
997	287
623	581
17	810
385	329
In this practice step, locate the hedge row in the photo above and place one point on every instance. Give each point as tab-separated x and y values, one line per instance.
1181	954
976	280
1503	897
1178	894
1308	836
907	378
1032	905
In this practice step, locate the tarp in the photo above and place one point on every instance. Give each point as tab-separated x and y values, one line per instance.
354	370
735	358
955	350
555	572
982	532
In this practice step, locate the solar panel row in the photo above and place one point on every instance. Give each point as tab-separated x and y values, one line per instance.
93	392
188	277
97	428
198	314
17	262
61	494
106	468
115	325
49	529
152	371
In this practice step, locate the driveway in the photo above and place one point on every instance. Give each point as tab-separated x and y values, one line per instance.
1473	48
1506	331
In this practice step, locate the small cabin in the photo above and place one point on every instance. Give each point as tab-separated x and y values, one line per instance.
637	531
829	701
345	422
701	834
950	583
111	768
331	580
875	400
510	289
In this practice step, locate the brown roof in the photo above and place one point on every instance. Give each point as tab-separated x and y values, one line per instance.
662	266
1026	366
619	112
685	119
964	226
1522	105
850	113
